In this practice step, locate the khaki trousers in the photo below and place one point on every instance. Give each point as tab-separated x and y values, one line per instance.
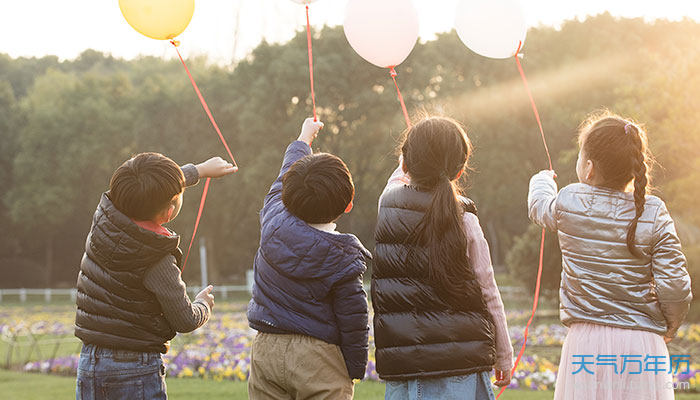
297	367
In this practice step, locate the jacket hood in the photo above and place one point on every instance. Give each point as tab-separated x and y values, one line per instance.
300	251
117	243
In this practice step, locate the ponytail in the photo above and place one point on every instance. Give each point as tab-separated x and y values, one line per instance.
435	151
441	232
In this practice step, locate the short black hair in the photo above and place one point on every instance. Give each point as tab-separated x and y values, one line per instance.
145	184
318	188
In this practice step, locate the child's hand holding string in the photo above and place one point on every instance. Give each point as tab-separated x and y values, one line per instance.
215	167
206	297
502	378
309	130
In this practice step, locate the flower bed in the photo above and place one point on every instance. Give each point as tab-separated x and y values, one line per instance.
221	350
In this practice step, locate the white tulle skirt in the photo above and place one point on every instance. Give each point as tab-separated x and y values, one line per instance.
604	383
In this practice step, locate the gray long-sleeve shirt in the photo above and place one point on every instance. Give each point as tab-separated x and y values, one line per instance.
164	280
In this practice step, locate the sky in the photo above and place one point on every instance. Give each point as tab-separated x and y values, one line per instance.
227	30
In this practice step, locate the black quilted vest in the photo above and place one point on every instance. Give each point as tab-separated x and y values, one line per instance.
417	334
115	310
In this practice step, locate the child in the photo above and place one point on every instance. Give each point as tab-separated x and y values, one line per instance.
131	299
308	304
439	322
624	284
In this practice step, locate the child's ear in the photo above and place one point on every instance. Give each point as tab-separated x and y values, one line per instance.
590	171
403	167
171	210
348	208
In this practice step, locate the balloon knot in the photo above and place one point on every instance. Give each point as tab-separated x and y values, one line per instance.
175	43
392	71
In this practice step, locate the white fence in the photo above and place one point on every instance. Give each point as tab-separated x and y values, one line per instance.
222	291
49	294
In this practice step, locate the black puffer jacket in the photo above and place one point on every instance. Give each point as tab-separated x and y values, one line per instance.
114	308
418	335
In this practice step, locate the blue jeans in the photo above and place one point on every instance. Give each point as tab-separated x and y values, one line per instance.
119	374
475	386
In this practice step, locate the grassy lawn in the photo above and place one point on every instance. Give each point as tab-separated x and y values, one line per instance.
25	386
24	350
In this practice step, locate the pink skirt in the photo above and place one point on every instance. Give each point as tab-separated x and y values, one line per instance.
599	343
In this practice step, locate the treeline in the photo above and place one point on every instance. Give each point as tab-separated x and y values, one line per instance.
66	125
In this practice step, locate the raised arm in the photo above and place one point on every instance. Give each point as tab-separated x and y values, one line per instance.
295	151
541	200
670	272
214	167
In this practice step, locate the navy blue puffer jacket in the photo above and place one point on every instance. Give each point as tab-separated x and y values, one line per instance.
309	281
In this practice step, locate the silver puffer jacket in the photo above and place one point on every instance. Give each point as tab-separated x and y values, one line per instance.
601	281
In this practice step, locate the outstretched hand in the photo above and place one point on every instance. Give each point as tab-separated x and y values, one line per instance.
215	167
309	130
206	296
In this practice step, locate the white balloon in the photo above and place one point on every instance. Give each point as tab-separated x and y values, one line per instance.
303	1
383	32
492	28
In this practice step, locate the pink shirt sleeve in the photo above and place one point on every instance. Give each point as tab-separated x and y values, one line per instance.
397	178
480	258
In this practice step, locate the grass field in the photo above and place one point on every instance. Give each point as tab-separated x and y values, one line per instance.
27	386
212	363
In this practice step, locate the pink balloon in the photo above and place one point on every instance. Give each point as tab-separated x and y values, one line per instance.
383	32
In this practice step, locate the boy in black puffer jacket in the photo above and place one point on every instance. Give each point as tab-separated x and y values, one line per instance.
308	304
131	298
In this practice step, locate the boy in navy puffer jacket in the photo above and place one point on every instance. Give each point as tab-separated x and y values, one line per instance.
308	304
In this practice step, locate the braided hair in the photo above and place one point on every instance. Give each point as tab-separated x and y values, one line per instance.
619	151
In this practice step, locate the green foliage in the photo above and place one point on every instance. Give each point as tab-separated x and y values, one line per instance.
523	258
65	126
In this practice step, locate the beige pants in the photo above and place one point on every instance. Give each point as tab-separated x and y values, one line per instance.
297	367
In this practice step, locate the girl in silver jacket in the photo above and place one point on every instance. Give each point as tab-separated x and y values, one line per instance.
625	288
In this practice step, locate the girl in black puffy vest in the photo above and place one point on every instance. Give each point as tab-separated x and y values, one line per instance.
439	322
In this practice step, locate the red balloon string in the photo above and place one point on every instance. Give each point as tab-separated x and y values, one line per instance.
199	217
204	103
393	73
539	268
311	62
532	103
221	136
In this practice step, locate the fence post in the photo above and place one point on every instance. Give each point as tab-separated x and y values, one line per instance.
23	295
224	292
203	262
0	295
47	295
249	280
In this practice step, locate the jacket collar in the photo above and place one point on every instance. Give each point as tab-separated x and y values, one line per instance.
123	244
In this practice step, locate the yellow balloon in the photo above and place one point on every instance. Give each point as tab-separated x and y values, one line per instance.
158	19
